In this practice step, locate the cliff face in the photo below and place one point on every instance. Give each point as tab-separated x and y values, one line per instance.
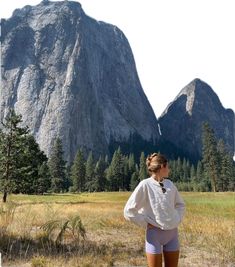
181	122
72	77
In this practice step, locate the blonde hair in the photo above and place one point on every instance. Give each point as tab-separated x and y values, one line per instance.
154	162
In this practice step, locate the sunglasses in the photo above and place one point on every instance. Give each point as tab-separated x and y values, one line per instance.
163	188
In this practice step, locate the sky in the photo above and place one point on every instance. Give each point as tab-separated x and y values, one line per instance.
172	41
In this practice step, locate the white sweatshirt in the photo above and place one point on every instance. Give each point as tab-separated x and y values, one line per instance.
148	204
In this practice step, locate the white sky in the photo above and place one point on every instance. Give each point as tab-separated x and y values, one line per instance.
173	42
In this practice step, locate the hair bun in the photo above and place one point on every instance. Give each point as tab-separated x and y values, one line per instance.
154	162
150	158
154	155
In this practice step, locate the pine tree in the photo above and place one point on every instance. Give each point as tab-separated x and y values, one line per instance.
126	173
131	163
231	186
185	171
108	176
29	162
199	171
100	179
129	169
178	170
172	166
90	166
68	182
231	171
134	180
200	182
116	171
78	172
44	179
192	173
57	167
143	174
210	155
188	168
12	140
223	166
226	167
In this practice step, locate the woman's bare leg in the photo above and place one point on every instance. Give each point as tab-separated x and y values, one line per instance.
171	258
154	260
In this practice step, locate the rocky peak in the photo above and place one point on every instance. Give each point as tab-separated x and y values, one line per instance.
73	77
196	87
181	122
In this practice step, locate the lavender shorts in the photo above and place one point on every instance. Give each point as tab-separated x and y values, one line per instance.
158	240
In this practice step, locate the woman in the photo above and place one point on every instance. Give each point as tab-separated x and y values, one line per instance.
157	206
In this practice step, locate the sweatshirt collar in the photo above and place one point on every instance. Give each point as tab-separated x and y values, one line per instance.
156	182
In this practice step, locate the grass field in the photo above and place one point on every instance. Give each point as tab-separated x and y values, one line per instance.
207	233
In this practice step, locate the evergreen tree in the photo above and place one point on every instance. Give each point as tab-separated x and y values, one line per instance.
199	172
108	175
90	166
192	173
172	166
116	171
193	178
178	170
143	174
130	167
226	168
29	162
100	179
231	185
44	179
188	167
210	155
78	172
131	163
223	171
184	176
227	173
126	173
68	182
134	180
12	140
57	167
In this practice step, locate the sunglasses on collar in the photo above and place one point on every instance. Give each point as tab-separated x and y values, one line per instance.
163	188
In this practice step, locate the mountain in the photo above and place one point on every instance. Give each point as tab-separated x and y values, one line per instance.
73	77
181	122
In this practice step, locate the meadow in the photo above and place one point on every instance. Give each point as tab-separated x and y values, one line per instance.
207	233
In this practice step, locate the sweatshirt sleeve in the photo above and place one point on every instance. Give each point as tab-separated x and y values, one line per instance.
132	208
179	205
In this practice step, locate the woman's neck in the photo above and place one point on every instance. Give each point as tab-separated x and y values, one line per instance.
158	178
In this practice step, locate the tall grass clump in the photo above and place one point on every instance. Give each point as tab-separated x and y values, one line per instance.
57	229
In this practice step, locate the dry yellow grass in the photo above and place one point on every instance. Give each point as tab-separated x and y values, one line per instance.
207	232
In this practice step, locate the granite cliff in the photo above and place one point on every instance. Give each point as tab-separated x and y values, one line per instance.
73	77
181	122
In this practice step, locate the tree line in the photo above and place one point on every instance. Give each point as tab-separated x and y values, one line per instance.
24	168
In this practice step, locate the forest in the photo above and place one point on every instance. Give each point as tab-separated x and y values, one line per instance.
25	169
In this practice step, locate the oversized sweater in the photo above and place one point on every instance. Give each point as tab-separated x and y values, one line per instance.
148	204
